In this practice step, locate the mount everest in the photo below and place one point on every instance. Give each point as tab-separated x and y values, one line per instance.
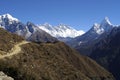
61	30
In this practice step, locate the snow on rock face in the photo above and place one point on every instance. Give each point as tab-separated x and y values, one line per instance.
106	21
15	26
6	20
105	26
9	17
98	29
61	30
29	31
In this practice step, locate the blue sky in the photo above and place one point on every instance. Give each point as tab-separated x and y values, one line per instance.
80	14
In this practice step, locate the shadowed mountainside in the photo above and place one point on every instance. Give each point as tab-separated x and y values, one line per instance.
107	52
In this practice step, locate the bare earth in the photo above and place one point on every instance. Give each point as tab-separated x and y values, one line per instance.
15	50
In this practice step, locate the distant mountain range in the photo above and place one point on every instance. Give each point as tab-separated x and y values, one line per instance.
29	31
33	32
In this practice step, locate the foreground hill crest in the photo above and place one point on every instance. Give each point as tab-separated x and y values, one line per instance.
47	61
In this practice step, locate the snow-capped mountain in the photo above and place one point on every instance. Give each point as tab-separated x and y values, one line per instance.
6	20
61	31
105	26
13	25
85	42
9	17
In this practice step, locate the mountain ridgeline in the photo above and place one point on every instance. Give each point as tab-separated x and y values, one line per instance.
38	33
61	32
29	31
47	61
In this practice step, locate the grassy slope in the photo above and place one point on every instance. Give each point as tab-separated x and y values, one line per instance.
49	61
7	40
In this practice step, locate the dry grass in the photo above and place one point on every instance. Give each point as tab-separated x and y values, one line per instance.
50	61
7	40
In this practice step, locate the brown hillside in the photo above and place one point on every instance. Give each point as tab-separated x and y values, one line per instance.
7	40
50	61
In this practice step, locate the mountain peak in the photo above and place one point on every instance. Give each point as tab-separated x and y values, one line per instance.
8	16
95	24
47	24
106	21
62	31
105	26
64	27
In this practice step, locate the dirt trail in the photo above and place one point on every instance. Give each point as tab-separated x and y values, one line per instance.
15	50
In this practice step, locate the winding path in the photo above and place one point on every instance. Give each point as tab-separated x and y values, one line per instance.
15	50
